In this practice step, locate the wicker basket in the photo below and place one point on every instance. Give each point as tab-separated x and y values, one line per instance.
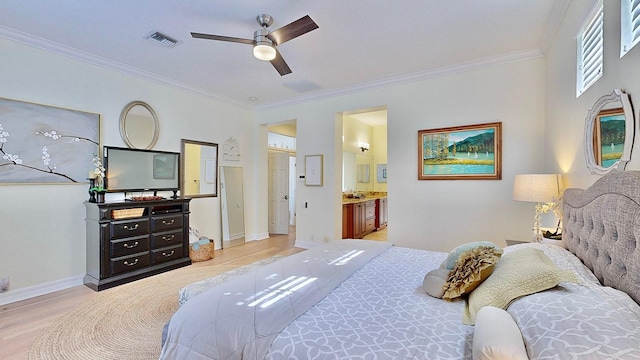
127	213
204	252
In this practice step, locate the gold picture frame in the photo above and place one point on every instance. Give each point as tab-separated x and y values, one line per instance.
470	152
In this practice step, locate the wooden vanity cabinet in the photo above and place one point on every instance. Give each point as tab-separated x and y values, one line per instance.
127	241
358	219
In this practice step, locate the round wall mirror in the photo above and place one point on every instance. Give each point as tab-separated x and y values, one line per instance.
139	127
609	133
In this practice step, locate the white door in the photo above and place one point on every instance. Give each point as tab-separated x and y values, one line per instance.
278	193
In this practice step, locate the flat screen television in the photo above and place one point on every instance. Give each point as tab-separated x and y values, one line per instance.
130	170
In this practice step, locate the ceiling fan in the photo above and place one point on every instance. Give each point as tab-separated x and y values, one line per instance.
264	41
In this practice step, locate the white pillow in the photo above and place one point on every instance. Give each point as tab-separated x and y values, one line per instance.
433	283
497	336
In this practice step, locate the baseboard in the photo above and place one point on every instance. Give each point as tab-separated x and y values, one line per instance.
259	236
41	289
307	244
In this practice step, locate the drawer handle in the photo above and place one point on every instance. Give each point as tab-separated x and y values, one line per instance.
131	264
168	222
128	246
130	228
169	238
169	254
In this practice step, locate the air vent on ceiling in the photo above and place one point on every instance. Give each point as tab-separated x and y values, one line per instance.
302	86
162	39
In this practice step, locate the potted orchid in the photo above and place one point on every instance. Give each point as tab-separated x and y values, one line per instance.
96	178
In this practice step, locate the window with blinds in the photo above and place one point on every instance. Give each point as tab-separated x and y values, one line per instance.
629	25
590	49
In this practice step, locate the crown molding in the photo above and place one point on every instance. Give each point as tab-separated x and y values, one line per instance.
553	23
413	77
40	43
76	54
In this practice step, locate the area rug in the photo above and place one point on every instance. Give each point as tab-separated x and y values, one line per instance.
126	322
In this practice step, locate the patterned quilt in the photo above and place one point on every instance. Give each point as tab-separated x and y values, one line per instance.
380	311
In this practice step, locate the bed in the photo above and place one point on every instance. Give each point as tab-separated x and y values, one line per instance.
358	299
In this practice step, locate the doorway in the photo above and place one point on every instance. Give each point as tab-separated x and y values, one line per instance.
281	177
364	167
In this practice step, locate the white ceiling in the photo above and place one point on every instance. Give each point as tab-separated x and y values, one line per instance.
359	43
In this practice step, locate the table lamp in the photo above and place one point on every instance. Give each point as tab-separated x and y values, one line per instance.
538	188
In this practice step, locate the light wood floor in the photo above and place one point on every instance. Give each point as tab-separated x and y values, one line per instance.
22	322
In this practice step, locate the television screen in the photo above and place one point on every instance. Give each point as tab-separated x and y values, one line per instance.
140	170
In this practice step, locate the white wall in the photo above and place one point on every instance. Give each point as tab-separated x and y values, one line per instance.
436	215
42	236
42	227
565	114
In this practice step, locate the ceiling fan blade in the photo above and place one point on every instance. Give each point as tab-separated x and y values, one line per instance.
293	30
222	38
280	64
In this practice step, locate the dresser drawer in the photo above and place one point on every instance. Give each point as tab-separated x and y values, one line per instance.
166	254
129	263
370	211
129	246
165	239
122	229
161	223
370	224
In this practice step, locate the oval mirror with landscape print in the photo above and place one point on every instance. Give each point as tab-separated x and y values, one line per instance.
609	132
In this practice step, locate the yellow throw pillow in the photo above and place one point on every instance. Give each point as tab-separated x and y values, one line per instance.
471	269
517	274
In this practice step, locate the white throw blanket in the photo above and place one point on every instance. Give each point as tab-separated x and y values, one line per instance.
239	319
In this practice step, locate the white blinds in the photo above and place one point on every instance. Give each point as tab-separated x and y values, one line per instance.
630	25
590	50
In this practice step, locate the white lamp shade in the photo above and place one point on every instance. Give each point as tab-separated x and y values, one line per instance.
264	51
537	187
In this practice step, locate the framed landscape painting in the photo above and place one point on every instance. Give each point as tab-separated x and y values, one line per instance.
471	152
609	136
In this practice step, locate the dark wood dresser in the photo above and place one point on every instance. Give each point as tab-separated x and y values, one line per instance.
130	240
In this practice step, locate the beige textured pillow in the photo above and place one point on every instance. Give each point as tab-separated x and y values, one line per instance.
497	337
434	281
517	274
471	269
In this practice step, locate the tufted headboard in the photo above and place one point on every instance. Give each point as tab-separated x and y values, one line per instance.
601	226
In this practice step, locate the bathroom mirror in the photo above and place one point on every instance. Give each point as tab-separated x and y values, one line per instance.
231	206
139	127
199	169
348	171
363	173
609	133
364	164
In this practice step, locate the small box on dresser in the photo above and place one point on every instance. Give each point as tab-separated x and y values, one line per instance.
127	241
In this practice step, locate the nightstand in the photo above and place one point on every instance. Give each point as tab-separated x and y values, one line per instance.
516	242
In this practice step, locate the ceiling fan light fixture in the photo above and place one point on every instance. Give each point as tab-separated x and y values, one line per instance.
264	51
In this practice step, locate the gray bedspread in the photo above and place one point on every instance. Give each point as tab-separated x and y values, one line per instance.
380	312
364	300
240	319
577	321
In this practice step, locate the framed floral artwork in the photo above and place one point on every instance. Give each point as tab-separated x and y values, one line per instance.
44	144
